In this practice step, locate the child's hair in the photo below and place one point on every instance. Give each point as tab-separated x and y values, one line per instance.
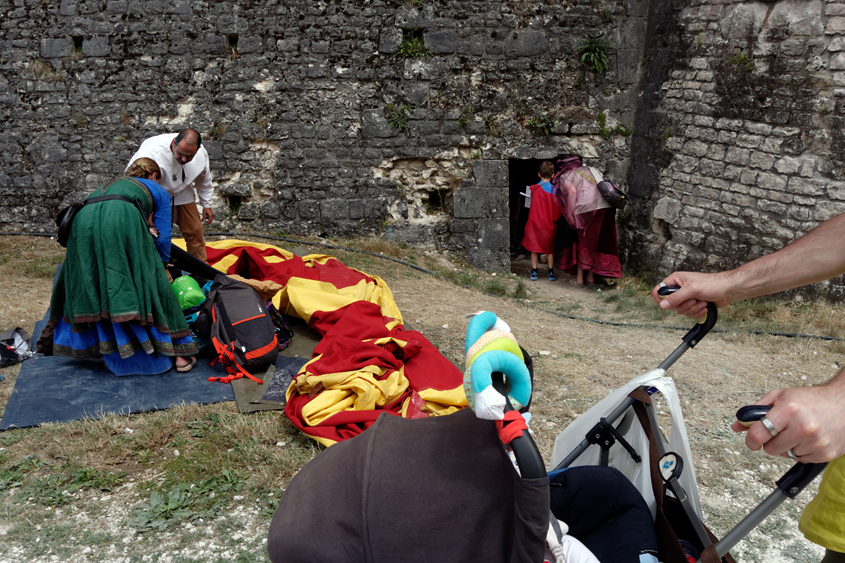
547	169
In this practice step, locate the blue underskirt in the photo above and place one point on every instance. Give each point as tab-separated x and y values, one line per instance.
127	348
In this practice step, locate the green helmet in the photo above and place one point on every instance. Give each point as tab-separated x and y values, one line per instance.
188	292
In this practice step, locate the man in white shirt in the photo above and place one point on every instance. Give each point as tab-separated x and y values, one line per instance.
185	174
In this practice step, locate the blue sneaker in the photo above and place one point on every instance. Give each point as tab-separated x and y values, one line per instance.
552	275
533	275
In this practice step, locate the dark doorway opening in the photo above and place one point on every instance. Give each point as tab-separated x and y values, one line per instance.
522	173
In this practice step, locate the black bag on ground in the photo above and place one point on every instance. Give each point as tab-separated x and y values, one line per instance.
14	346
612	194
236	320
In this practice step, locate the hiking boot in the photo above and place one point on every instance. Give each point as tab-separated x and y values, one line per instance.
533	275
552	275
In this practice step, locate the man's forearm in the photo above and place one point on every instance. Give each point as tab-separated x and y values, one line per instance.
819	255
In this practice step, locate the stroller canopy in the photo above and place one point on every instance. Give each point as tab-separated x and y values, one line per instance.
433	489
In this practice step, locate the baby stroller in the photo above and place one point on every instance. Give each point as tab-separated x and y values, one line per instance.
444	488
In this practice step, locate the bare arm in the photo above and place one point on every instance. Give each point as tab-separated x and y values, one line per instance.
818	255
809	420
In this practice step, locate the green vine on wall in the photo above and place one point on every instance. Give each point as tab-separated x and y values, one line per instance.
605	133
741	62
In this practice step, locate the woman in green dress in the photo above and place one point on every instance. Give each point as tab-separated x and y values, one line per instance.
112	296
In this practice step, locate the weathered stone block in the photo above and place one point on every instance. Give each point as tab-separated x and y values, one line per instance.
667	209
494	233
696	148
788	165
824	210
233	189
68	7
55	48
748	177
470	48
761	160
249	45
737	156
772	207
441	42
526	43
748	141
489	259
771	181
334	209
95	47
217	45
490	173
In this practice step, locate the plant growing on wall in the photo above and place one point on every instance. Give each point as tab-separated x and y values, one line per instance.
541	123
605	133
593	52
412	45
741	62
465	114
398	115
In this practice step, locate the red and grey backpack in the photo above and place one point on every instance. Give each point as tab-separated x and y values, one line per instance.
236	320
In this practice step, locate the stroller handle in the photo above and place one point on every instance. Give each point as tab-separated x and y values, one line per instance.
695	334
527	454
704	324
801	474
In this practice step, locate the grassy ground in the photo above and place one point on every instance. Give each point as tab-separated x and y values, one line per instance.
200	483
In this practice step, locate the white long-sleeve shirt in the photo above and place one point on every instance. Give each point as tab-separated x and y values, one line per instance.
184	183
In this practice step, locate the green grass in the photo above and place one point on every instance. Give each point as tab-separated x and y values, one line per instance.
44	268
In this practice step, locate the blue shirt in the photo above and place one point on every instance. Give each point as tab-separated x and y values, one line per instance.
161	217
547	187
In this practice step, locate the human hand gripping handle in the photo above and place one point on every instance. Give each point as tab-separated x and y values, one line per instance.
706	319
801	474
693	291
807	421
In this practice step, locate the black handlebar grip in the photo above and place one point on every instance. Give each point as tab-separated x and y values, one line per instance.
704	325
750	414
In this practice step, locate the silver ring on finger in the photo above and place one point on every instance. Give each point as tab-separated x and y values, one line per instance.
791	454
769	426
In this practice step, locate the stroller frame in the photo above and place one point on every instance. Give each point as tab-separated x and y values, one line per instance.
605	435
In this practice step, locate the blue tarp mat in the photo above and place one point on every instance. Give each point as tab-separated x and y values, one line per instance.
61	389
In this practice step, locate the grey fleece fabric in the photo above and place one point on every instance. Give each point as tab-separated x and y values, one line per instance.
435	489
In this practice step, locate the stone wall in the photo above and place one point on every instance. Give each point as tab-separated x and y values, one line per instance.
320	117
316	119
747	133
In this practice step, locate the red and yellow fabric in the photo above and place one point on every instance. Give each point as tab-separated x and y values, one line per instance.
366	363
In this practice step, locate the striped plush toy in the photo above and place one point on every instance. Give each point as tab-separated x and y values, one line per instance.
490	347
